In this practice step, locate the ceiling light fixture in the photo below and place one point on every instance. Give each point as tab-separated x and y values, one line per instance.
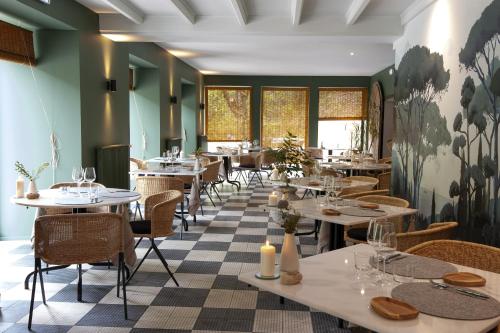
351	54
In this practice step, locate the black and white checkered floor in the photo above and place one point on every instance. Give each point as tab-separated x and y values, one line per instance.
222	244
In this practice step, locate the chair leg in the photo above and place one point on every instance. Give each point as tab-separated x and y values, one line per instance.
163	261
118	277
259	178
138	242
208	194
79	288
140	263
37	261
41	282
216	192
124	284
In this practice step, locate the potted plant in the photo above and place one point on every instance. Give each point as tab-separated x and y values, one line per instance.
289	259
290	159
32	177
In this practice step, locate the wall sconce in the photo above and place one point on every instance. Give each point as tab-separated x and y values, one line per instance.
202	106
111	85
173	99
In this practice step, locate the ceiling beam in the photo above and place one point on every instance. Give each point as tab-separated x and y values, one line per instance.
185	10
127	9
414	9
240	10
355	10
297	11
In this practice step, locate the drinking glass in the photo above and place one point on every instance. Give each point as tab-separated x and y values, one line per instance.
387	242
327	187
362	264
336	188
403	272
89	177
77	176
175	152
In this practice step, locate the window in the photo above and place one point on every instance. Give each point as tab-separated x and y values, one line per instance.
284	110
341	111
342	103
228	113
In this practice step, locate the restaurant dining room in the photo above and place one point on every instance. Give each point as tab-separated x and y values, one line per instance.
282	166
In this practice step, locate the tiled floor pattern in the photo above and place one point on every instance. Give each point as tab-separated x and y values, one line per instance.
222	244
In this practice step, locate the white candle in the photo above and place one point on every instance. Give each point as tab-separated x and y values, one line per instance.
20	187
267	254
273	199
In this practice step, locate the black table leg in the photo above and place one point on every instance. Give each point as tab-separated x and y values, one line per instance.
336	236
226	162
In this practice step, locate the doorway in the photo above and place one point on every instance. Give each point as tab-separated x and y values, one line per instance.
188	116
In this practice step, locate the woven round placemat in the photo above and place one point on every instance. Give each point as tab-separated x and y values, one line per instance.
424	268
446	303
362	212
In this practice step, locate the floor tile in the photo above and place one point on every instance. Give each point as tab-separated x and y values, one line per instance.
59	313
111	315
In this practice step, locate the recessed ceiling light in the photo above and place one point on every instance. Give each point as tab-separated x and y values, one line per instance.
351	54
118	37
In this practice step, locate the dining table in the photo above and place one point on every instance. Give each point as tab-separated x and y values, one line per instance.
78	201
329	284
226	157
316	183
331	234
357	167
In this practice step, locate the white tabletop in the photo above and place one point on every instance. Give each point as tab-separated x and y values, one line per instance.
329	285
303	183
49	198
358	166
168	172
177	160
309	208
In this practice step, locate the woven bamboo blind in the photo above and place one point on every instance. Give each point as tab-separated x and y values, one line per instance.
342	103
228	113
284	110
16	44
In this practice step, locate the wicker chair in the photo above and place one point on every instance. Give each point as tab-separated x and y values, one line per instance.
384	181
251	165
137	164
55	211
210	178
330	172
443	230
462	253
356	195
149	185
373	182
357	234
386	160
267	160
159	212
70	239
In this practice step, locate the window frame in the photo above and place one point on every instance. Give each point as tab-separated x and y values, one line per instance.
364	102
250	128
279	88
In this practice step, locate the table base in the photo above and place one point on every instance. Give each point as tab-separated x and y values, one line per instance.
336	236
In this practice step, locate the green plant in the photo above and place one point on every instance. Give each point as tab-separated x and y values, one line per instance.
21	169
290	157
197	153
291	219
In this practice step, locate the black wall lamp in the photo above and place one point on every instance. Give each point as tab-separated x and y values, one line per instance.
173	99
202	106
111	85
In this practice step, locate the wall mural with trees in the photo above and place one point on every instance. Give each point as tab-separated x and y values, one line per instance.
472	139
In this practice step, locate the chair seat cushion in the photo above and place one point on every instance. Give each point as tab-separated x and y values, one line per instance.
357	233
141	227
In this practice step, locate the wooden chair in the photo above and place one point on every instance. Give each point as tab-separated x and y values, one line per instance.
357	234
384	181
462	253
159	216
443	230
69	239
356	195
210	178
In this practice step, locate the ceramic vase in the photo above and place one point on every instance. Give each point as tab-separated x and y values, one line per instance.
289	259
196	165
32	187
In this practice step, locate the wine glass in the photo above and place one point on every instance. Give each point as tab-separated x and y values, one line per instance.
77	176
326	187
387	243
175	151
336	188
89	176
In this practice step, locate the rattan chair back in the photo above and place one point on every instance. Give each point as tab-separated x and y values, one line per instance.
384	181
212	172
160	210
434	231
391	201
150	185
267	158
462	253
137	164
78	238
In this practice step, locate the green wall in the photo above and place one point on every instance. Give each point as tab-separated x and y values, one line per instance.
386	80
73	64
189	112
312	82
146	111
24	130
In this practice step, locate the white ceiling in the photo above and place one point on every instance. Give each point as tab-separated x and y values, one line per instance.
332	37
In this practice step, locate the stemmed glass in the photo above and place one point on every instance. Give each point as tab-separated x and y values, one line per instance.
327	187
336	188
175	152
387	243
77	176
89	176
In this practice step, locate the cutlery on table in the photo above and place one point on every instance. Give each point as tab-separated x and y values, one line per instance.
462	291
391	258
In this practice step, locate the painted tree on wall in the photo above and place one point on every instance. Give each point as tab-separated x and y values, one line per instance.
479	56
420	81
